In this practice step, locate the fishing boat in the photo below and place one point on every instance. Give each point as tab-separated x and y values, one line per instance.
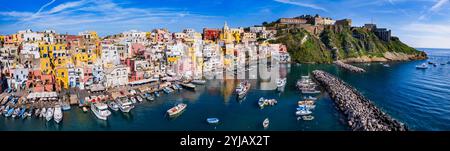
84	108
266	123
188	86
309	104
281	83
212	120
198	81
177	109
242	89
49	114
308	117
100	110
58	115
43	112
9	112
139	98
113	106
65	106
16	112
124	105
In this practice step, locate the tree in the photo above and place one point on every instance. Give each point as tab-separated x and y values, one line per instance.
264	23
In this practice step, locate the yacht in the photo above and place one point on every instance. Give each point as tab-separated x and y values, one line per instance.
124	105
422	66
58	115
177	109
100	110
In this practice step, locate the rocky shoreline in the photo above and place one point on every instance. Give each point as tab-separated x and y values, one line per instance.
349	67
361	113
387	56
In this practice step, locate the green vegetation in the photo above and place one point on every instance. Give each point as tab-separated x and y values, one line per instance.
342	43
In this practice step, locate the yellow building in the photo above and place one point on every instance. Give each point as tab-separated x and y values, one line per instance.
45	65
84	57
62	77
226	35
2	38
46	50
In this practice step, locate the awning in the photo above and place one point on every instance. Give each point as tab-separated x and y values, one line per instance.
143	81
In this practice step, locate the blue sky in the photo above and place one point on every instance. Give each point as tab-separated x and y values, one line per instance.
419	23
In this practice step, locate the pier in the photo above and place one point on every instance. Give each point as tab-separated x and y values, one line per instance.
349	67
361	113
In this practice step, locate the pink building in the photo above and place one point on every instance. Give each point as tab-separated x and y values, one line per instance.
137	49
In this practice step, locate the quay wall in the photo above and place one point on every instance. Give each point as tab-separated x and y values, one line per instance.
361	113
349	67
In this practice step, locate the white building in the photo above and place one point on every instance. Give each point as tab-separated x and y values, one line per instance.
30	49
117	76
110	54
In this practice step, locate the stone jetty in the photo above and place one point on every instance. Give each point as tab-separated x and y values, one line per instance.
349	67
361	113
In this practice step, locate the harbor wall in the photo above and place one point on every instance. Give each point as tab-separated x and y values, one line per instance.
349	67
361	113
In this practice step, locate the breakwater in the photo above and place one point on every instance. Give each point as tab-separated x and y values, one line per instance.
349	67
361	113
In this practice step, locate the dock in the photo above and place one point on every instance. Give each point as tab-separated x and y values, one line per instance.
349	67
361	113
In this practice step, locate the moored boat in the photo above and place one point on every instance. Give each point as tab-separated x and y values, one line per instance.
139	98
84	109
100	110
189	86
177	109
243	89
113	106
16	112
198	81
65	106
9	112
58	115
212	120
124	105
49	114
281	83
43	112
308	117
302	110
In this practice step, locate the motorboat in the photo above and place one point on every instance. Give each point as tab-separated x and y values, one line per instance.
100	110
84	109
43	112
37	112
266	123
212	120
243	89
199	82
306	103
156	93
261	102
309	98
9	112
139	98
281	83
422	66
15	113
58	115
386	65
6	109
302	110
113	106
308	117
22	111
189	86
49	114
177	109
124	105
133	100
65	106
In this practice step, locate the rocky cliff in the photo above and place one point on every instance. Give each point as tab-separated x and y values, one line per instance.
346	44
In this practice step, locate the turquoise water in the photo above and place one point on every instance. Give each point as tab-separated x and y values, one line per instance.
419	98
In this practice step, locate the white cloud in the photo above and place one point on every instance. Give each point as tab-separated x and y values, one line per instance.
16	14
438	5
302	4
67	5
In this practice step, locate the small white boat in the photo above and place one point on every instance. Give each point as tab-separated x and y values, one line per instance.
310	98
100	110
199	82
189	86
266	123
308	117
65	106
179	108
422	66
16	112
303	112
37	112
43	112
49	114
58	115
139	98
133	100
84	109
113	106
212	120
281	83
386	65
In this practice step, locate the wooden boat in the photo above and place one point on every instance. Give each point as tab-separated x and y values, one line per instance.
179	108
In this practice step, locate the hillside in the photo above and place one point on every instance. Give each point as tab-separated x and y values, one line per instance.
346	44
